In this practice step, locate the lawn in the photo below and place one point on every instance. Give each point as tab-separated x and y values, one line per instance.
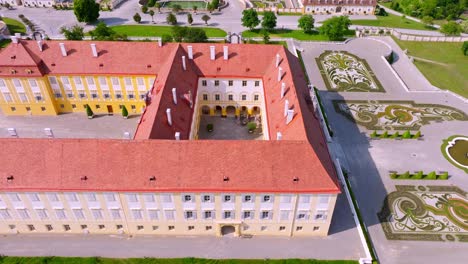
95	260
157	31
14	26
289	33
186	4
391	21
452	75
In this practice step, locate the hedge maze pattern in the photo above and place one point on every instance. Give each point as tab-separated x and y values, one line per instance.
431	213
455	150
345	72
396	115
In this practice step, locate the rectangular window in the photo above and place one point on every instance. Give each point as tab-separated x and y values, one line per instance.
321	215
72	197
282	228
49	227
230	97
115	82
244	97
78	214
14	197
115	213
171	227
191	228
132	197
228	215
203	83
153	214
304	199
91	197
266	198
216	82
263	228
230	82
166	198
208	214
228	199
247	198
284	215
247	215
77	81
323	199
90	81
140	227
17	84
31	228
207	198
5	214
298	228
207	228
169	214
23	97
149	198
34	197
32	83
266	214
84	227
42	214
94	94
188	198
57	93
66	227
2	83
128	83
101	226
60	213
257	83
256	96
38	96
140	81
7	97
244	83
110	197
285	198
118	94
142	95
205	97
82	94
301	215
106	94
189	215
102	81
137	214
97	213
217	97
155	228
130	95
316	228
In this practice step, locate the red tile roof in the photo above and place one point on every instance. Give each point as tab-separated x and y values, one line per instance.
179	166
196	164
340	2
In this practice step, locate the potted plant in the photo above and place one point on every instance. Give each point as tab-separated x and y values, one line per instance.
209	127
89	112
124	112
251	126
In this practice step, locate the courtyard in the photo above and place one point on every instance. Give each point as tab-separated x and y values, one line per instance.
226	128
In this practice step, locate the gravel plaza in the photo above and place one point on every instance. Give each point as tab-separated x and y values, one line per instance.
368	162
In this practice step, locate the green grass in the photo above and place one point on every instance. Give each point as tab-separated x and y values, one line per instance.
186	4
282	14
392	21
14	26
95	260
452	75
157	31
289	33
4	43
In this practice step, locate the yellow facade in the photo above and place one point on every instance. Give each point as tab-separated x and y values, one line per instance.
55	94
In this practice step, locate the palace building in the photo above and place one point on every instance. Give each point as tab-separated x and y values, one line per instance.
173	177
343	7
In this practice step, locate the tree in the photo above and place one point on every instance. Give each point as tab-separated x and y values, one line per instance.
266	36
206	18
144	9
451	28
178	33
269	20
215	4
158	6
210	7
306	22
195	35
428	20
103	32
89	112
166	38
189	18
74	33
86	10
137	18
195	8
464	26
124	111
171	19
250	18
151	13
151	3
335	28
465	48
176	8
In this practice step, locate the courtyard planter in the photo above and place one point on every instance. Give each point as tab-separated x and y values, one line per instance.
209	127
251	127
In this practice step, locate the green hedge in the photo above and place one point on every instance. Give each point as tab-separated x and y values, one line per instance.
419	176
406	135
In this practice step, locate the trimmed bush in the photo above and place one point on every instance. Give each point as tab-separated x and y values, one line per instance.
405	175
393	175
384	134
374	134
432	175
418	175
124	111
417	135
251	126
209	127
407	134
443	176
89	112
395	135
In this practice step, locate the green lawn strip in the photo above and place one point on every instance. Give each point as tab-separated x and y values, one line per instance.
396	135
260	13
361	222
96	260
157	31
451	75
392	21
186	5
289	33
4	43
419	176
14	26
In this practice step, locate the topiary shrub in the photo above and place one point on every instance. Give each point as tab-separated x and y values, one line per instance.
373	134
124	112
443	176
407	134
405	175
251	126
395	135
384	134
209	127
89	112
417	135
418	175
393	175
432	175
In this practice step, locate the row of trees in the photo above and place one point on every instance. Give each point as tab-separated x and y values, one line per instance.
438	9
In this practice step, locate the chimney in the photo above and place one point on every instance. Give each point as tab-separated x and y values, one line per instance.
174	95
286	107
169	117
18	35
190	52
283	89
183	63
279	136
289	116
177	135
160	42
280	73
62	49
39	44
212	53
14	39
278	59
226	52
94	50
